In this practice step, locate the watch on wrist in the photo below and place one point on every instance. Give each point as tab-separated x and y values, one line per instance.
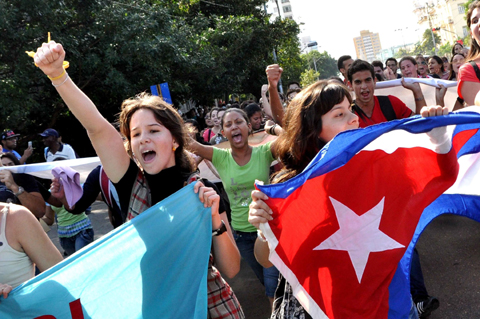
221	230
20	191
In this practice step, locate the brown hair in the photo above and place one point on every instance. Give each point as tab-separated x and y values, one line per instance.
452	75
166	115
439	61
407	58
474	48
10	156
300	142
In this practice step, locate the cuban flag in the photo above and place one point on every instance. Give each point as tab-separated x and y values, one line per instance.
342	226
154	266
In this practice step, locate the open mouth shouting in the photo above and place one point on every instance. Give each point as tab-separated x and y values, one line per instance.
365	94
148	156
237	137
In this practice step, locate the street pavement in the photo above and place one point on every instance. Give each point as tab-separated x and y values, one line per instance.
449	252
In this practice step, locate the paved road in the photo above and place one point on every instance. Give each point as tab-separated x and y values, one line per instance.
450	255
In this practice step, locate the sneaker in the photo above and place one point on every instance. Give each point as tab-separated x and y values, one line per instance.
425	307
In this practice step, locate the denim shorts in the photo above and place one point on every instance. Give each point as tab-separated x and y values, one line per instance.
76	242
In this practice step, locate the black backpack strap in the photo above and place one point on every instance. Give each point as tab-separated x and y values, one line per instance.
386	107
475	67
358	111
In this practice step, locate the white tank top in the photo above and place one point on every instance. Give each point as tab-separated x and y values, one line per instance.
15	267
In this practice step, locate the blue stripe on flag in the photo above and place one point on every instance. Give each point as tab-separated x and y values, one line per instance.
346	144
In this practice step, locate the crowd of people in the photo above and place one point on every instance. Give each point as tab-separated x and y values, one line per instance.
157	152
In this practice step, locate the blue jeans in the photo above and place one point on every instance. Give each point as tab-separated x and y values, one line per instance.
76	242
417	284
267	276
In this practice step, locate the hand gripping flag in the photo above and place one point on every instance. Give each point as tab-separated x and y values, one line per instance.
154	266
341	227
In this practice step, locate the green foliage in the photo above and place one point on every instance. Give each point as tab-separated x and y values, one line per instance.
289	57
425	47
308	77
116	49
325	64
401	53
427	42
445	50
466	5
467	40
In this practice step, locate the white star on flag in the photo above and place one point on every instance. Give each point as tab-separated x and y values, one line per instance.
359	235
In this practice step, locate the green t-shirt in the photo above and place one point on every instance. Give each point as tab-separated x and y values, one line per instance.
70	224
238	181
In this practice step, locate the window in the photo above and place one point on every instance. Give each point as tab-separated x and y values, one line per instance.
461	8
287	9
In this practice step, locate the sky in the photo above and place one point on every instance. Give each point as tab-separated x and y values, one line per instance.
334	24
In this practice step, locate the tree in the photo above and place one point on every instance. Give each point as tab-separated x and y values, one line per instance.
401	53
203	49
468	39
325	64
308	77
427	46
445	49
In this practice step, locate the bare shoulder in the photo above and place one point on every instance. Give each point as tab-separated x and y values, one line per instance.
17	211
20	223
19	216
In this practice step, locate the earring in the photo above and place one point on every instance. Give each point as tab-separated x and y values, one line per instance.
174	148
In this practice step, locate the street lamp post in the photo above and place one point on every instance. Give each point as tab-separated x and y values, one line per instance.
403	38
309	45
427	7
315	65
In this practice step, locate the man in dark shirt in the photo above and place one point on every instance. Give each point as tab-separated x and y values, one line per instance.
19	188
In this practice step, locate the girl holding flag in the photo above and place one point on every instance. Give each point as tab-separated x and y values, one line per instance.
155	138
469	74
314	117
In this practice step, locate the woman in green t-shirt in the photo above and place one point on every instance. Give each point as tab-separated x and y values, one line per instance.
238	168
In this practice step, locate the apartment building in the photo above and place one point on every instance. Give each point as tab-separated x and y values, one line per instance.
448	15
367	45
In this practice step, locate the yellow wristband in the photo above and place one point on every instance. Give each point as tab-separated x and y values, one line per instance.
57	77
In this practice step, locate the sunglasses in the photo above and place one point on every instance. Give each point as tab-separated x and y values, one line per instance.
423	62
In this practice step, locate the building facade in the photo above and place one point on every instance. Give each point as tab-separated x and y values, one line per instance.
367	45
448	15
284	6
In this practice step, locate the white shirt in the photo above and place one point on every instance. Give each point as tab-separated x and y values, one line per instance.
65	152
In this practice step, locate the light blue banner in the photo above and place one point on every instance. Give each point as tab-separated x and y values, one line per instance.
154	266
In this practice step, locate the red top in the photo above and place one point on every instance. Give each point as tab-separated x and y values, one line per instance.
207	135
401	111
466	73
